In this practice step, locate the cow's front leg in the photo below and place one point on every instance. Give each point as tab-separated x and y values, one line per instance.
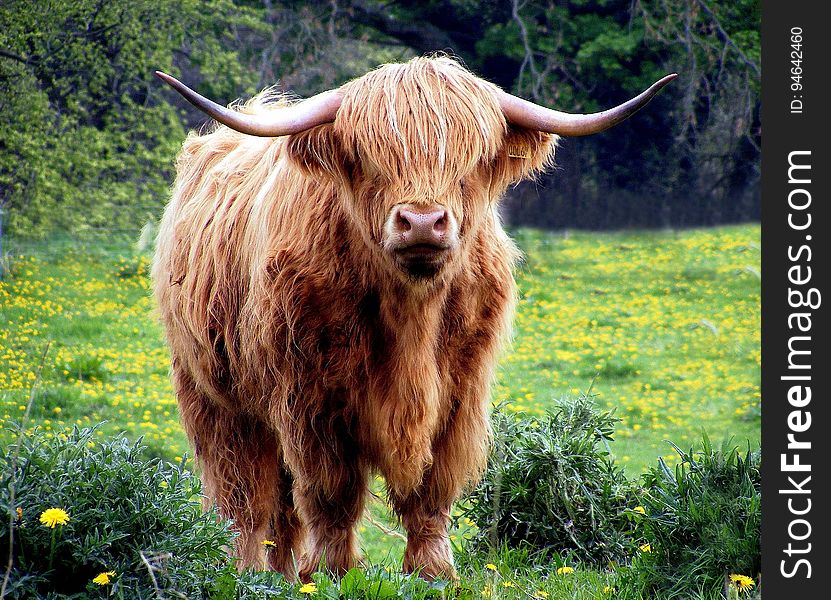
330	484
242	470
330	514
459	455
428	545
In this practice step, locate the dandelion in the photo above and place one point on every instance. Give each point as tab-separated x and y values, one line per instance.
269	544
541	594
640	510
608	590
741	582
50	518
645	547
54	516
103	578
308	588
565	570
508	583
490	567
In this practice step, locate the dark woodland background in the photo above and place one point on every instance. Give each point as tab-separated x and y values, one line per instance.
88	135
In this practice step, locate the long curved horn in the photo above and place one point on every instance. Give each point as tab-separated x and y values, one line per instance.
304	115
533	116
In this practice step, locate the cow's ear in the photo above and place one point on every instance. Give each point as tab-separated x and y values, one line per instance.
319	152
524	153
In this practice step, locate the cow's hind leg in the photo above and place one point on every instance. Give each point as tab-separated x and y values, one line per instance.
241	465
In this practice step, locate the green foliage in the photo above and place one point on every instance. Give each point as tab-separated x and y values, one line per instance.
88	136
552	483
702	522
552	496
379	583
85	368
86	139
695	151
141	519
52	401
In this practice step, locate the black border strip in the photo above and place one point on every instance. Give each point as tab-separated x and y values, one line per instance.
795	257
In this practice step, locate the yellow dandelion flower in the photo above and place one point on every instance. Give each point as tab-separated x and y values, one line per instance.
565	570
645	547
741	582
103	578
54	516
640	510
308	588
608	590
269	543
507	583
490	567
541	594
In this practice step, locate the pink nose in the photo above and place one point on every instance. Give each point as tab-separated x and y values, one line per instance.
416	227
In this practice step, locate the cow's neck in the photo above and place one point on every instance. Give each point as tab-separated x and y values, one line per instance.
409	394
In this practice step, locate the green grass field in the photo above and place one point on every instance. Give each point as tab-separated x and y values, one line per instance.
663	326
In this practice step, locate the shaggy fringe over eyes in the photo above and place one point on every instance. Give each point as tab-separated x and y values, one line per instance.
428	121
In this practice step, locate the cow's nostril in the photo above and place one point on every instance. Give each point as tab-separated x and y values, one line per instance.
440	226
401	222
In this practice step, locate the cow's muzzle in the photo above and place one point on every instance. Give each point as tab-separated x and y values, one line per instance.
420	238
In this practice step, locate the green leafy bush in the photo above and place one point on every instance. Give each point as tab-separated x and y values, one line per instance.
551	483
83	509
551	488
139	519
702	522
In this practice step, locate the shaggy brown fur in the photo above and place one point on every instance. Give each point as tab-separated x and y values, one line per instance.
304	357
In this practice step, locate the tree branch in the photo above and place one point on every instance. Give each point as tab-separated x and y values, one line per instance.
21	59
528	60
727	39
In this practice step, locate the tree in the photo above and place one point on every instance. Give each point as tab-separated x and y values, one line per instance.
87	139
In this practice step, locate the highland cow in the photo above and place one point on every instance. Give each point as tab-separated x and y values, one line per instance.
335	287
